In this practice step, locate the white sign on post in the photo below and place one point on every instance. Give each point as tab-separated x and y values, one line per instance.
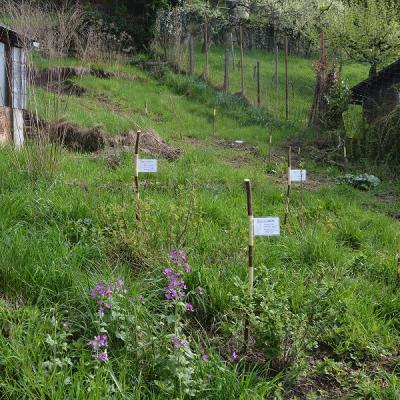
269	226
147	165
298	175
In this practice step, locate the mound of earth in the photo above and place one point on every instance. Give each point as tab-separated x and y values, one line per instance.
86	140
150	142
49	77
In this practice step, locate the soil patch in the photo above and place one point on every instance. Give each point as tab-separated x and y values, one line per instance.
56	75
150	142
386	201
237	145
86	140
67	87
387	197
321	150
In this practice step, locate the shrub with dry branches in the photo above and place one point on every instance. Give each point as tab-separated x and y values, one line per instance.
58	29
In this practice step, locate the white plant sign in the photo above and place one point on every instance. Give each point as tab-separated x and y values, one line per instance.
269	226
298	175
147	165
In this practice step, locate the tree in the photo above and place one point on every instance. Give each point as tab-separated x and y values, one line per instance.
367	31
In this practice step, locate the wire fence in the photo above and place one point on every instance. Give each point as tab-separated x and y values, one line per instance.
264	81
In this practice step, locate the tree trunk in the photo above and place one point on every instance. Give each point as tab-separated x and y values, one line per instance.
373	70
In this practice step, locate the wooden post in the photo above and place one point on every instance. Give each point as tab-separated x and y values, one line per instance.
270	149
226	76
301	189
286	78
241	62
214	120
233	52
192	60
276	78
136	179
346	161
247	184
398	269
258	85
289	186
205	73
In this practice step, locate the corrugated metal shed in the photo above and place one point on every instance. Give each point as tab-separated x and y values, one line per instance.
13	85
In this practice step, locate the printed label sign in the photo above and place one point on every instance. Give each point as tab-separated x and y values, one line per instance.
298	175
267	226
146	165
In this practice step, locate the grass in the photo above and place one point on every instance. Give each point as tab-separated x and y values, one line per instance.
325	310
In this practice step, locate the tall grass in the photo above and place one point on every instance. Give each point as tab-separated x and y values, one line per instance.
325	305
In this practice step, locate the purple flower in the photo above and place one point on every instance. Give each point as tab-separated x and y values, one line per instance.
204	357
186	267
176	342
178	257
182	255
176	287
97	342
102	356
108	305
189	307
200	290
103	340
234	356
100	310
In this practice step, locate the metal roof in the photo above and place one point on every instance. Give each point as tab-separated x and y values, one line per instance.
386	77
8	35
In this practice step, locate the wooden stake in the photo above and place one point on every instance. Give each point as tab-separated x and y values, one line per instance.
286	78
192	60
214	121
249	195
226	75
301	189
241	62
205	73
346	161
289	186
398	269
136	179
258	85
276	78
233	52
270	149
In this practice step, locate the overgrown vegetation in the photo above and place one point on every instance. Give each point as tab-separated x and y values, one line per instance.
97	304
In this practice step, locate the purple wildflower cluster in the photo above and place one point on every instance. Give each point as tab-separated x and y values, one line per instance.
176	289
103	293
176	286
99	348
178	257
178	343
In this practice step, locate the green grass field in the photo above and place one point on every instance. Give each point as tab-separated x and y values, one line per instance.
325	311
